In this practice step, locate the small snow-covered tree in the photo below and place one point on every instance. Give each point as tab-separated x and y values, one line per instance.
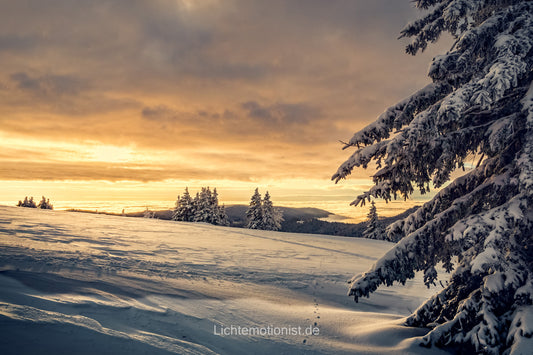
27	203
213	207
45	204
148	214
272	217
254	214
204	208
184	210
373	228
480	103
195	207
221	216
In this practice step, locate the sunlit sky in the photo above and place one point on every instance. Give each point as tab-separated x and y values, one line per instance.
133	100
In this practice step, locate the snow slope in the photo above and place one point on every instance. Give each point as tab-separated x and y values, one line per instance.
85	284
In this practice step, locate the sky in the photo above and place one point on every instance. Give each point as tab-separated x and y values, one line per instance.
134	100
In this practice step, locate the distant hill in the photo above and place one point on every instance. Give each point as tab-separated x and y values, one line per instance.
296	220
316	226
306	220
237	214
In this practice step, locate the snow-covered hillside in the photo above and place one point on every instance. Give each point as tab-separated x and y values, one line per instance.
93	284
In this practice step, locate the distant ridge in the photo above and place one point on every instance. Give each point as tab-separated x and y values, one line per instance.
316	226
296	220
237	213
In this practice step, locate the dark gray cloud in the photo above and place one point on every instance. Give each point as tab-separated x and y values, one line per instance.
159	113
244	124
16	42
281	113
48	85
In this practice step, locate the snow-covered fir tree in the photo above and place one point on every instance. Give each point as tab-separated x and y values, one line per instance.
203	208
254	214
272	217
198	205
184	210
213	206
262	214
221	216
219	212
45	204
479	226
195	206
373	227
27	203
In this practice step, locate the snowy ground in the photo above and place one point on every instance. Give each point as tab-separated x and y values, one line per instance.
77	283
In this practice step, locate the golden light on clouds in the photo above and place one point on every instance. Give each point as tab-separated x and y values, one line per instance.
111	154
139	99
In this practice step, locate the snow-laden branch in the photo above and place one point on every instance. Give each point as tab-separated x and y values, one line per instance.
399	115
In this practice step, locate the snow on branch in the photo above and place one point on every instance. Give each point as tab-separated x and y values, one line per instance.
443	199
399	115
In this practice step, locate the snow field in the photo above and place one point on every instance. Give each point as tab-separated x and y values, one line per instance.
85	284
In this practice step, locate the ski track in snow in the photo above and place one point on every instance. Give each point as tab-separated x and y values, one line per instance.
85	284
